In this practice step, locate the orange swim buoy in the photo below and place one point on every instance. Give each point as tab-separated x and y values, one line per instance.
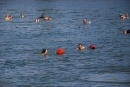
47	18
60	51
92	46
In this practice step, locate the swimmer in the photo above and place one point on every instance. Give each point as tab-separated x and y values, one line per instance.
37	20
80	47
42	16
21	16
86	21
123	16
8	17
126	31
44	52
126	15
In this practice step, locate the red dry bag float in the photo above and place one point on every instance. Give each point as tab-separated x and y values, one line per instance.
60	51
92	46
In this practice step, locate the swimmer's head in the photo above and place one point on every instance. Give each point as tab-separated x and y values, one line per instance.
126	15
80	46
124	32
7	15
21	16
44	51
42	15
85	21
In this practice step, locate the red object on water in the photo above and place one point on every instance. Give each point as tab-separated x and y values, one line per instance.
92	46
60	51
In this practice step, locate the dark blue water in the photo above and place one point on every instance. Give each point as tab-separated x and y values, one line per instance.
22	41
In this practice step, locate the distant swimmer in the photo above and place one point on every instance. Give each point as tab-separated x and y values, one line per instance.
8	17
44	52
45	18
126	32
37	20
80	47
86	21
124	16
21	16
42	16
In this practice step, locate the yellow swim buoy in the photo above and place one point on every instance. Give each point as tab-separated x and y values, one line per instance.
6	18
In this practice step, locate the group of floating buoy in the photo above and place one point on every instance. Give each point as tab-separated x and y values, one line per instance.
61	51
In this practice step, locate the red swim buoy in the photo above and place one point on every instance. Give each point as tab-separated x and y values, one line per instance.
92	46
60	51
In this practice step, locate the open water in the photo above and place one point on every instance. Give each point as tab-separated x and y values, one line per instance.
22	41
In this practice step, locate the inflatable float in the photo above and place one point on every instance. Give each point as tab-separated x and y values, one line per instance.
92	46
60	51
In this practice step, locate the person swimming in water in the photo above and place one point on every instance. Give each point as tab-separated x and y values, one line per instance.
44	52
21	16
37	20
86	21
80	47
126	31
42	16
124	16
8	17
45	18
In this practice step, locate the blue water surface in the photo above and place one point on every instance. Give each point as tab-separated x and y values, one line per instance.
22	41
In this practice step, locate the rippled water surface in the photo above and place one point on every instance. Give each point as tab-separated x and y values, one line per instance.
22	41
